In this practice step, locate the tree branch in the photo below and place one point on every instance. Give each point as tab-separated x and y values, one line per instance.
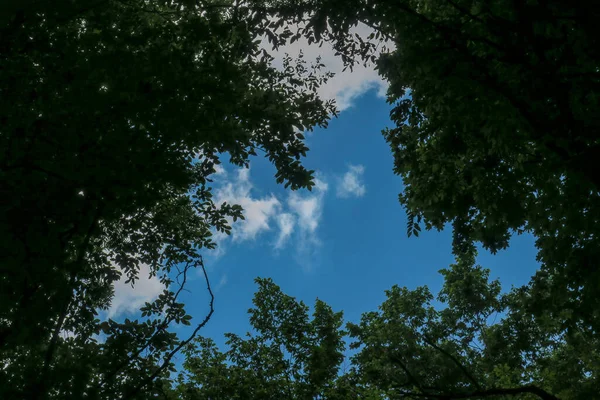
409	375
454	360
183	343
159	329
66	304
445	28
466	12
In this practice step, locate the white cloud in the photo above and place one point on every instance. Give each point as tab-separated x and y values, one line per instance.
308	209
350	184
286	223
129	299
258	212
298	217
219	170
219	238
320	186
345	87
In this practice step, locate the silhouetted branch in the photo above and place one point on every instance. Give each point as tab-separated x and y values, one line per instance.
165	324
466	12
183	343
445	28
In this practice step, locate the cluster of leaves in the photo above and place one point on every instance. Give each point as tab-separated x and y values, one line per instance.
475	343
497	133
480	345
289	355
112	113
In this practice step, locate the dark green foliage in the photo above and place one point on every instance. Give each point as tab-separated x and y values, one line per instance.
474	344
111	113
500	134
497	131
288	356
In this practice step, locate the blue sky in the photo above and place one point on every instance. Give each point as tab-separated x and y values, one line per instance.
344	243
359	248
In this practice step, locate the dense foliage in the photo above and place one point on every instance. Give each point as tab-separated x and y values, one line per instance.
497	133
500	135
497	130
113	115
475	343
289	355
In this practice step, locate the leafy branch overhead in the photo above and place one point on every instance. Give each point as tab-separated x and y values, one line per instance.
473	345
496	129
113	116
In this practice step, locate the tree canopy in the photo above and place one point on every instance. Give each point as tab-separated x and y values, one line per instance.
474	344
114	113
497	132
288	356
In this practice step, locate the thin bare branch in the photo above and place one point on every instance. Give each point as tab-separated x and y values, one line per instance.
183	343
159	330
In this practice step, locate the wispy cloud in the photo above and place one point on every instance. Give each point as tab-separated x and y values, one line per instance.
286	223
258	212
298	217
222	282
219	170
308	209
351	183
